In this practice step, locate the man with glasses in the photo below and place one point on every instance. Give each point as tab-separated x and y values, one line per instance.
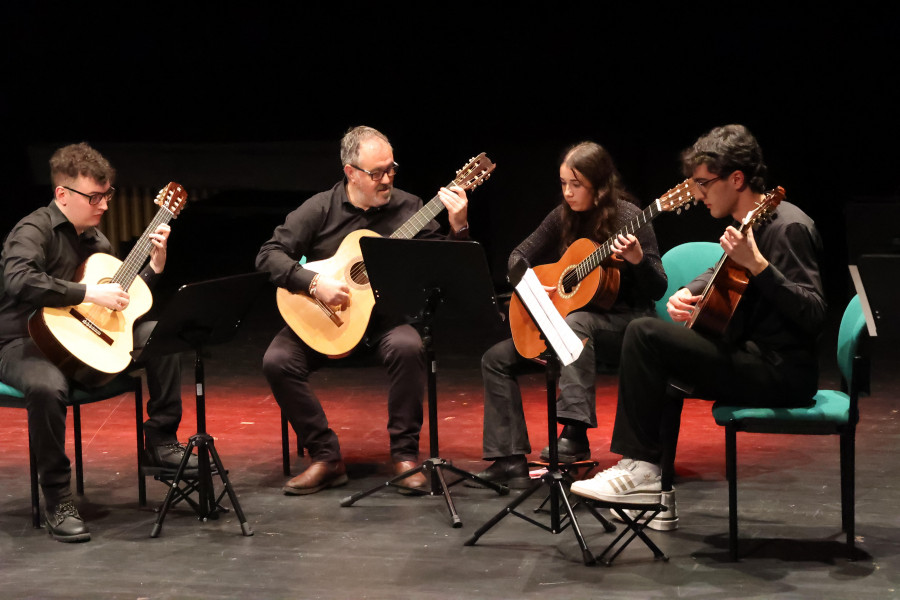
767	354
365	199
39	262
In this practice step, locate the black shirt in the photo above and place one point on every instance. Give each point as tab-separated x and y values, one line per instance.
782	312
641	284
40	258
318	226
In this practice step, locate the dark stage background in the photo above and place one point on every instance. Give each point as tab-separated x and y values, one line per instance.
245	106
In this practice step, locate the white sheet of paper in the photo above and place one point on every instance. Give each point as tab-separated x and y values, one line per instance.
557	333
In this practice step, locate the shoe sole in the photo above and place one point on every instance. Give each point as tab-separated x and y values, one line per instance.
336	482
568	458
513	483
78	537
417	490
648	498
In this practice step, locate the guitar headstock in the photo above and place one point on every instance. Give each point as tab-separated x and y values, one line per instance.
763	209
474	173
678	197
172	198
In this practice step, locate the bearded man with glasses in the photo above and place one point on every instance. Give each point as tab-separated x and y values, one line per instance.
364	199
40	258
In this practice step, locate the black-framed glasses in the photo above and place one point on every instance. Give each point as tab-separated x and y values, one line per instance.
702	183
95	198
378	174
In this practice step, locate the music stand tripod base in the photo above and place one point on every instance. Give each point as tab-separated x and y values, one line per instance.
556	478
194	319
439	486
405	282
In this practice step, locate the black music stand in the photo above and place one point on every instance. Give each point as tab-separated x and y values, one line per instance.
555	477
411	280
875	279
199	315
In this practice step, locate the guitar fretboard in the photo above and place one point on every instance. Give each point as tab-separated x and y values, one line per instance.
138	255
604	251
419	220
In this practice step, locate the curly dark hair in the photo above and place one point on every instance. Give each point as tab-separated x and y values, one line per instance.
73	160
725	150
591	161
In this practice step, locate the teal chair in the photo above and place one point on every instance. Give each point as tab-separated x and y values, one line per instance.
682	264
832	412
10	397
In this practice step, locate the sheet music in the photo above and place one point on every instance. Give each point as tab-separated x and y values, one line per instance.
557	333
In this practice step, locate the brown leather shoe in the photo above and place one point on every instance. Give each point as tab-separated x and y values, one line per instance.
416	484
316	477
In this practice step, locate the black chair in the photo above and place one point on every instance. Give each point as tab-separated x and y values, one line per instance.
124	383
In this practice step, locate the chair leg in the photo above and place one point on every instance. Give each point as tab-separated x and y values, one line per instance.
731	476
139	436
285	446
848	488
35	497
79	465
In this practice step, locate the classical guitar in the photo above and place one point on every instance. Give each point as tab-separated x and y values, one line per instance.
91	343
726	287
334	331
579	275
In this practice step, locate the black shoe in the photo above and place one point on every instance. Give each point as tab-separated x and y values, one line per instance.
568	450
169	456
511	471
65	524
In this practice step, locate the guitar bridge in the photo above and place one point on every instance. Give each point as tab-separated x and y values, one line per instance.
330	313
92	327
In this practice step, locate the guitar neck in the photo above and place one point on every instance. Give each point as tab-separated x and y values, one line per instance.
418	221
138	256
596	258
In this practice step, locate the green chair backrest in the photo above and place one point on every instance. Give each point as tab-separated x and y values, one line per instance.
853	324
682	264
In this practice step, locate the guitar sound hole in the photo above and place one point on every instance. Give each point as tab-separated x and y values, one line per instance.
569	282
358	274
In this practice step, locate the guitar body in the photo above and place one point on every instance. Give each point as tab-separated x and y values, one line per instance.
715	308
720	298
93	353
526	336
334	334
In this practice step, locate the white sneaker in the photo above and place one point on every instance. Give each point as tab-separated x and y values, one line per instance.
630	481
667	520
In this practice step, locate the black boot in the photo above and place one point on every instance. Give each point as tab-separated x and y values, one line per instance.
511	471
169	456
572	445
65	524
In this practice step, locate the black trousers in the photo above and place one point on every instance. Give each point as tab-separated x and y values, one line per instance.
289	362
656	353
505	430
46	390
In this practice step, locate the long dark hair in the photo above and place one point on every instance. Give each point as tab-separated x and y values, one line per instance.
592	162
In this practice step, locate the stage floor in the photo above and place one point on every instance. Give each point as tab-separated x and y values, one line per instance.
390	546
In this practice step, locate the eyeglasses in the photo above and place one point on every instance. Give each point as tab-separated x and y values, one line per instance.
94	199
378	174
702	183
